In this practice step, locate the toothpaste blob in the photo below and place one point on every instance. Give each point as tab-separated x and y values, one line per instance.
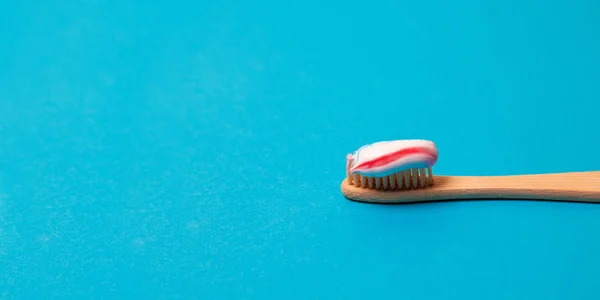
388	157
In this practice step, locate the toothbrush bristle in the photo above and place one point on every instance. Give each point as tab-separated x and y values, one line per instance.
404	180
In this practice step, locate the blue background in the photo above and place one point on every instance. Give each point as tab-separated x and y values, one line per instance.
194	150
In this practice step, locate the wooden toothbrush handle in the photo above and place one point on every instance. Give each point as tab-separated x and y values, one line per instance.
573	186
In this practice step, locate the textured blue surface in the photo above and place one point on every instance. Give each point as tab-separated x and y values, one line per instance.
187	150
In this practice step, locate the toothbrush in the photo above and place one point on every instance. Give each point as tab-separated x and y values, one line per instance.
400	171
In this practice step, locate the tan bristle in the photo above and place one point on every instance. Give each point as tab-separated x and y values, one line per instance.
405	180
415	178
423	178
400	180
430	177
392	181
399	177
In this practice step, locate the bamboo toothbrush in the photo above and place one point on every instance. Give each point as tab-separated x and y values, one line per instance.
401	172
